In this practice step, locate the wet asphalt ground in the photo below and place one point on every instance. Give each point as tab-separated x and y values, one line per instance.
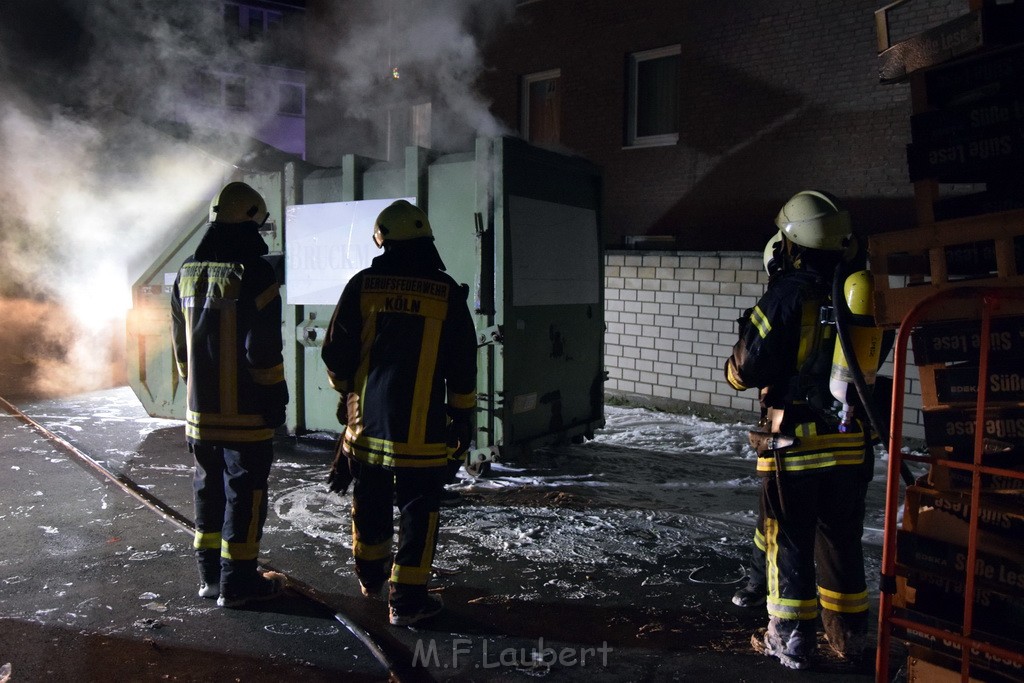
97	585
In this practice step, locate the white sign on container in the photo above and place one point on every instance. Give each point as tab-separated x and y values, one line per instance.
325	245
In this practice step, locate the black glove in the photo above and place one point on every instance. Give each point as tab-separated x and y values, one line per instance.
272	402
340	475
743	321
274	417
460	433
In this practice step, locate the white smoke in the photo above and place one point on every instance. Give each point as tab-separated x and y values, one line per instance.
389	55
93	174
103	151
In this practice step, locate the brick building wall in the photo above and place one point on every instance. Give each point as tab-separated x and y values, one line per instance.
671	323
777	96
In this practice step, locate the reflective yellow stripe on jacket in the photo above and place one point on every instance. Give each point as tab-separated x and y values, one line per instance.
430	304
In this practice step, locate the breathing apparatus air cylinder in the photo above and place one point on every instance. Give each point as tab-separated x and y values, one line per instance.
865	338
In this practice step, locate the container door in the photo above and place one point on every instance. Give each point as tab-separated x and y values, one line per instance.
550	296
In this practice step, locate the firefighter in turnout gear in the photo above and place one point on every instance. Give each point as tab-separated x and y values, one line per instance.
754	592
401	351
226	328
812	466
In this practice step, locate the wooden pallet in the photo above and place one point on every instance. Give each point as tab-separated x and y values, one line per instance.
911	265
983	28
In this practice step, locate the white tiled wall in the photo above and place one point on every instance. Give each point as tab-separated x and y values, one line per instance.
671	323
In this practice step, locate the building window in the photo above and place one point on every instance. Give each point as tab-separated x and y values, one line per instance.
234	92
249	22
653	97
542	107
232	19
255	25
205	89
291	99
273	21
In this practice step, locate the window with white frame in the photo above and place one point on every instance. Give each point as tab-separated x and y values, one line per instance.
653	105
541	115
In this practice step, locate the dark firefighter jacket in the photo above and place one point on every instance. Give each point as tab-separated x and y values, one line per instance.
226	326
786	351
401	347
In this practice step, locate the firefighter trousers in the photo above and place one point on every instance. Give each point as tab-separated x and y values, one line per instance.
813	525
230	494
376	491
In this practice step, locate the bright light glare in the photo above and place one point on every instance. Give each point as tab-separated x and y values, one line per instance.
100	299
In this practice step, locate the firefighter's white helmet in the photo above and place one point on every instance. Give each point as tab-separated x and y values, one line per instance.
815	220
238	203
401	221
771	264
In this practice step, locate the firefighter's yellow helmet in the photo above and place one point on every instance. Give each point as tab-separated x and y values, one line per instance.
401	221
815	220
238	203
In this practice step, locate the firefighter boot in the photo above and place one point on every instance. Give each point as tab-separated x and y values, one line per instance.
791	641
753	594
241	583
847	635
209	572
407	616
409	604
373	575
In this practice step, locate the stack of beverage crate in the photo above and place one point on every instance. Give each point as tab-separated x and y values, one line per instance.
932	545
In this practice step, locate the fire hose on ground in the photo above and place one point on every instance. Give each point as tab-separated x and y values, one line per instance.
398	670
